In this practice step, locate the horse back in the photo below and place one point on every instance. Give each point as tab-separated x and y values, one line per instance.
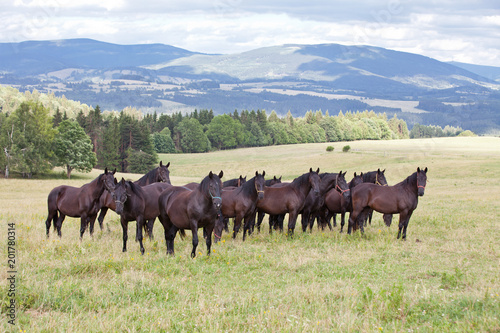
279	199
151	194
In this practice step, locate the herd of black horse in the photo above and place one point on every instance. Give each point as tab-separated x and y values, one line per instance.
210	203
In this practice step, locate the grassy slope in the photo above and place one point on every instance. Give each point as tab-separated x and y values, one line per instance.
324	281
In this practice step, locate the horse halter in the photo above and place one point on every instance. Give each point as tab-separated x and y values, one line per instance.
338	188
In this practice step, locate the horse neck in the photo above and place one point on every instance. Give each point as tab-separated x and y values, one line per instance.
97	186
410	184
328	182
147	179
248	188
302	184
200	193
370	177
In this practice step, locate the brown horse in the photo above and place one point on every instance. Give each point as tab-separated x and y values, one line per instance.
336	203
137	203
401	199
236	182
290	198
182	208
158	174
314	203
241	203
82	202
260	214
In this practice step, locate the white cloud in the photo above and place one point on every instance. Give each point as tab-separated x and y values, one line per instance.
446	30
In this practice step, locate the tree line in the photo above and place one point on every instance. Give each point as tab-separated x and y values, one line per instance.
34	141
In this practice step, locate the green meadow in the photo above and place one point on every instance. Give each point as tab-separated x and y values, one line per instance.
443	278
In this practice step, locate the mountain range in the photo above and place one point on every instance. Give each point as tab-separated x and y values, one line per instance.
295	78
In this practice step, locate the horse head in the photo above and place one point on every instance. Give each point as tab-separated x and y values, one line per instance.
120	195
163	174
108	179
342	186
214	189
380	178
259	184
358	179
314	180
421	181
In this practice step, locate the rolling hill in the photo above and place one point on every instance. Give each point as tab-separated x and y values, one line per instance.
295	78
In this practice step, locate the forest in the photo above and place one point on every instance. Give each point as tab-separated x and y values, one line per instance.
39	132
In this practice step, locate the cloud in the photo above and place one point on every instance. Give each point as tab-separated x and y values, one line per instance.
446	30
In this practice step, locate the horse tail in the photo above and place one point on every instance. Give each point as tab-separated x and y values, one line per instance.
52	208
182	233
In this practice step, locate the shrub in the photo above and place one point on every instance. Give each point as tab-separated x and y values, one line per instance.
329	148
346	148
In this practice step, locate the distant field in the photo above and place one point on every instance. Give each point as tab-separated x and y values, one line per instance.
444	278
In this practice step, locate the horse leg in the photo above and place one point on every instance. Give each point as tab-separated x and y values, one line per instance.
208	239
125	233
59	222
407	220
370	216
150	225
236	226
292	219
305	221
226	224
388	219
52	218
260	218
140	225
102	214
91	222
83	225
194	231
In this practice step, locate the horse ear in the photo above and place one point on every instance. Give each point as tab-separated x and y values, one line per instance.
378	171
310	169
116	182
256	173
114	171
355	174
361	174
210	175
383	171
317	171
425	170
263	173
106	170
168	164
221	173
122	181
418	169
161	163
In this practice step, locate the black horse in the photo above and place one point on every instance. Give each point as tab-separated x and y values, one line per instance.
401	199
236	182
260	214
290	198
240	203
137	203
158	174
314	204
82	202
182	208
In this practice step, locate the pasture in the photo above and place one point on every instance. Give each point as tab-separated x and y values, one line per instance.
443	278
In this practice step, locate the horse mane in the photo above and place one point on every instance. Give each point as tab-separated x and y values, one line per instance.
301	179
149	177
136	189
248	186
367	176
411	179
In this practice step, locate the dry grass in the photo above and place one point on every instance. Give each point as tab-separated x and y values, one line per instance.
447	281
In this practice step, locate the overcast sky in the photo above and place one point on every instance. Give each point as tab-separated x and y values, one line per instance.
465	31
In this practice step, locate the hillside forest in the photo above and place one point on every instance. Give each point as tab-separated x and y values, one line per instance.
42	131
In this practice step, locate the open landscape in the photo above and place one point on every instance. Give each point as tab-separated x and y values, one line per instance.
443	278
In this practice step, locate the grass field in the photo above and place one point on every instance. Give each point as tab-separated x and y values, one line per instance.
444	278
